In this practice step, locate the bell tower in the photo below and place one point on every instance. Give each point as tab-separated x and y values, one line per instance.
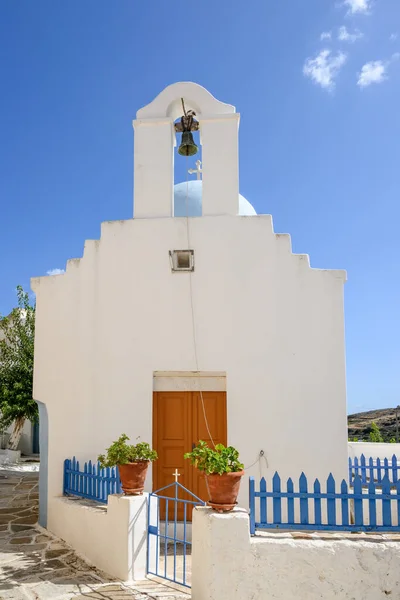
156	137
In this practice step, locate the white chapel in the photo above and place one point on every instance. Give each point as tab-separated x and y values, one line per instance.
192	320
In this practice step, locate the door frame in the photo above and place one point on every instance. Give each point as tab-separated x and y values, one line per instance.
189	381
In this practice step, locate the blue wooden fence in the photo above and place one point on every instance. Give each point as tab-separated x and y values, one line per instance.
373	469
93	482
344	509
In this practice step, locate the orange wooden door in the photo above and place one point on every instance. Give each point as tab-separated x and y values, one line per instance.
178	424
215	410
172	417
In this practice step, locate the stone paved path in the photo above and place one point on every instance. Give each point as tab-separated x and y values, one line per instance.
37	566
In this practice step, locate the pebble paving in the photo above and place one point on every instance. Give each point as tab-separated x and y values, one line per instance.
34	565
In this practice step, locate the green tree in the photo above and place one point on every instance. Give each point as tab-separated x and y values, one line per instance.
375	434
17	333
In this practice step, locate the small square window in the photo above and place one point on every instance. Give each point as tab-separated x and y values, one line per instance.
182	260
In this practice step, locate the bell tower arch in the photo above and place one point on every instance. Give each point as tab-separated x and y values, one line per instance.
155	139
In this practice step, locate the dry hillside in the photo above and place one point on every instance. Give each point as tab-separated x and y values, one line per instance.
359	424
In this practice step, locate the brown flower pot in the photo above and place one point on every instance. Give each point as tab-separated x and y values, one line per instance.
133	476
224	490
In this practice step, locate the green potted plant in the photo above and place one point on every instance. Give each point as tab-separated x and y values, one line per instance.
132	462
223	472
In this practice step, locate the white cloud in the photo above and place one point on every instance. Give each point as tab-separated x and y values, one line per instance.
345	36
372	72
358	6
324	68
393	37
326	35
55	272
375	71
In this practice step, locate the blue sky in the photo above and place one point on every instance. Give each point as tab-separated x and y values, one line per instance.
317	84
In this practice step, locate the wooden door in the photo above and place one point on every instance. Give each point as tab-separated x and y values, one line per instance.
178	424
215	410
172	416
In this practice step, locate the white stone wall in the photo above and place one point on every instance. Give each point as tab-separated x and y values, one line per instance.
272	324
374	450
26	441
113	539
229	565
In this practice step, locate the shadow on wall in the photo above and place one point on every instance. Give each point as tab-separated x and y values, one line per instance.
35	438
43	473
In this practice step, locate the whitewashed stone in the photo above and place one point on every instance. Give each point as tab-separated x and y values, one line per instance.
229	565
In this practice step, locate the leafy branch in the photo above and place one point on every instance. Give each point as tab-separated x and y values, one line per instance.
121	453
215	461
17	333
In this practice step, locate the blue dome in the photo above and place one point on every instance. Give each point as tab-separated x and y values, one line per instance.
195	189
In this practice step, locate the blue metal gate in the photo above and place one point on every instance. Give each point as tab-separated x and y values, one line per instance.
169	533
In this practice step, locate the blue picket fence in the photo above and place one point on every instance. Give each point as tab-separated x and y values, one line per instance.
93	482
375	508
373	469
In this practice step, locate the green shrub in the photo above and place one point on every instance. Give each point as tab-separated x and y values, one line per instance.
215	461
375	434
121	453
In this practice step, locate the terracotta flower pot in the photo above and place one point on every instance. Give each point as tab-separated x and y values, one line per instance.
133	476
224	490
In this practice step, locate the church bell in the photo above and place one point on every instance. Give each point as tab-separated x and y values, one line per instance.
187	146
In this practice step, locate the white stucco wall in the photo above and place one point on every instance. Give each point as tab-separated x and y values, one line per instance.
229	565
263	316
373	450
114	539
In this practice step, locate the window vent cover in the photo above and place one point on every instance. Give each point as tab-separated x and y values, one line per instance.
181	260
